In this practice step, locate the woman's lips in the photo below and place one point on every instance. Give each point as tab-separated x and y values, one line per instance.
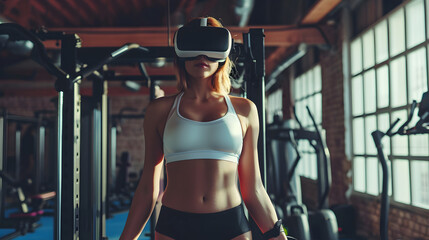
202	64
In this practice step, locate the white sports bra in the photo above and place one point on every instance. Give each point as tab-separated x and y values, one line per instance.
186	139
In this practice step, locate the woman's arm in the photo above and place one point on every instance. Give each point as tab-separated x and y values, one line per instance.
253	192
148	188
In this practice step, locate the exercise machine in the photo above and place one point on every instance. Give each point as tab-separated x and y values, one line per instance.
421	127
29	212
284	156
25	188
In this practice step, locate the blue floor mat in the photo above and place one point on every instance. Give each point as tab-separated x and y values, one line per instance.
45	231
115	225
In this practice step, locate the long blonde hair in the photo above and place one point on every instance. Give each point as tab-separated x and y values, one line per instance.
221	82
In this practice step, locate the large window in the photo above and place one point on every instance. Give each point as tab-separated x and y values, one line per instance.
388	71
274	104
307	91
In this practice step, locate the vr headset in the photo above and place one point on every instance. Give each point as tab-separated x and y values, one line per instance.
192	41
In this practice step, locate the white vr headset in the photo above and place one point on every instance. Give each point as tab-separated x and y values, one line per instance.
213	42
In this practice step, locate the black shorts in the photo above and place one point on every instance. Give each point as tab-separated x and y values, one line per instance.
222	225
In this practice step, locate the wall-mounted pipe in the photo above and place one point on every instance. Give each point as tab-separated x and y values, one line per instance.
272	80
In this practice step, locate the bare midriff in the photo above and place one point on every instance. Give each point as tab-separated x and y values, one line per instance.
201	186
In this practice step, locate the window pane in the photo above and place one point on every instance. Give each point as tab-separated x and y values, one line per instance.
414	11
296	89
427	18
383	125
397	32
370	126
301	87
420	183
383	87
318	108
313	162
372	175
399	143
419	144
356	56
401	181
304	115
417	80
357	95
317	78
398	94
359	174
358	136
368	49
298	107
304	82
381	46
370	90
310	81
274	104
306	165
311	105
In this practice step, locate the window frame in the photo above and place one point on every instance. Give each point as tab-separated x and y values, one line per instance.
389	110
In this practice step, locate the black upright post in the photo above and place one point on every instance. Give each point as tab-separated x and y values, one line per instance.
93	162
100	158
3	161
69	114
255	87
255	90
40	157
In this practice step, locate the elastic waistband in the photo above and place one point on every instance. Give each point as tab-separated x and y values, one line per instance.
172	210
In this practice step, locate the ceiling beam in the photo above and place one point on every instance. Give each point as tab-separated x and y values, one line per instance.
151	71
9	6
60	9
43	14
319	10
276	36
82	11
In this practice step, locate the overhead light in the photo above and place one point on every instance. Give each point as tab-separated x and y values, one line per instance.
132	86
159	62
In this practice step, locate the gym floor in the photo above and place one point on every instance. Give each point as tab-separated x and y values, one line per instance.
114	228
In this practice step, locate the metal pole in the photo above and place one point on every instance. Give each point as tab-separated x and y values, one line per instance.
40	158
17	151
57	232
70	195
255	91
3	155
255	88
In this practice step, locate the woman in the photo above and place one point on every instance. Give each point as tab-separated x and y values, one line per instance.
208	139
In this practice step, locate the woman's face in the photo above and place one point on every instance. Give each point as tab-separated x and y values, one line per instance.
201	67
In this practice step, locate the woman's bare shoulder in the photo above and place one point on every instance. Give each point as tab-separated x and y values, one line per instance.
243	106
160	107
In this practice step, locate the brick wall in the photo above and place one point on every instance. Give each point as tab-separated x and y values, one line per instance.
333	122
130	138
